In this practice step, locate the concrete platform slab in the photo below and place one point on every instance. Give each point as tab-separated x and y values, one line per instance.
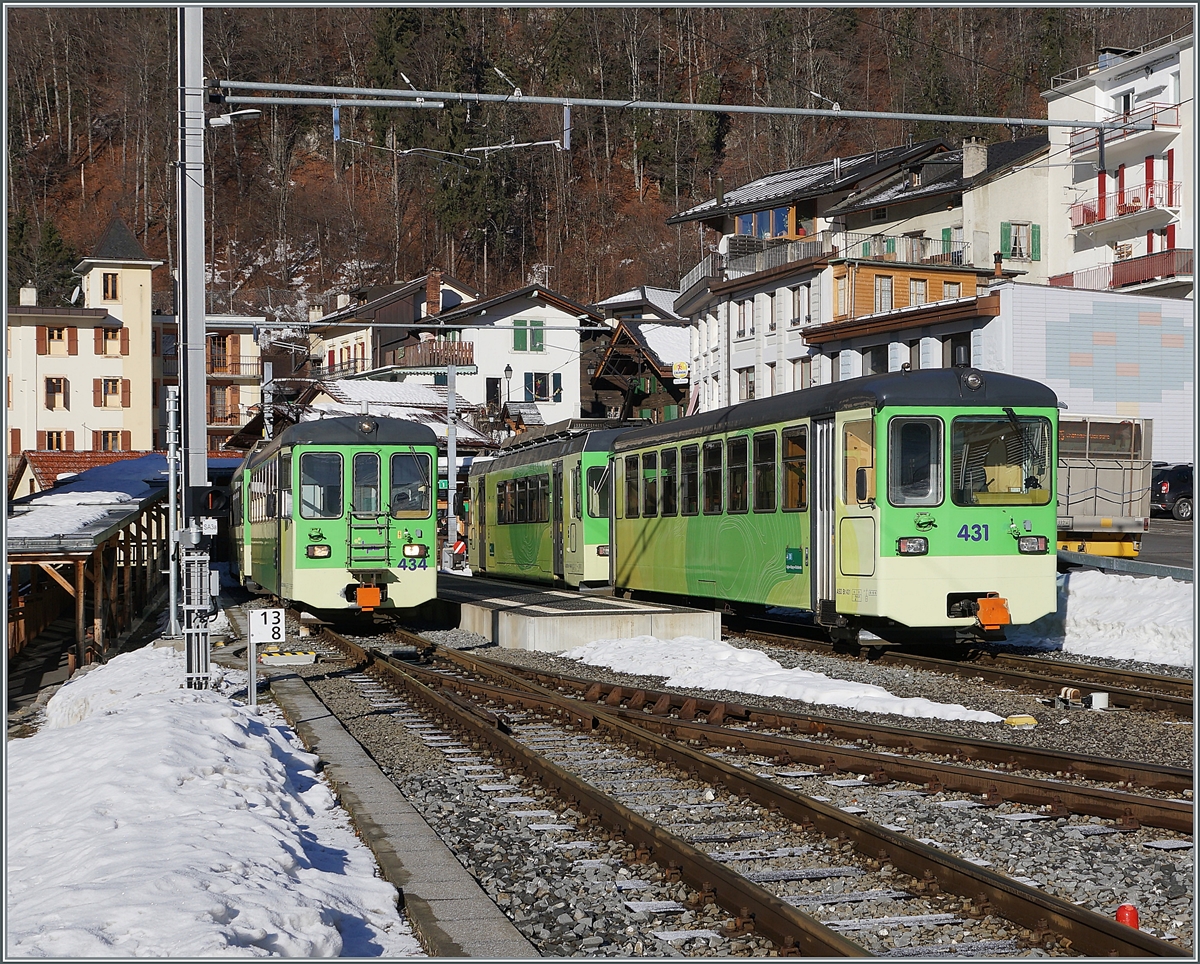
553	621
448	910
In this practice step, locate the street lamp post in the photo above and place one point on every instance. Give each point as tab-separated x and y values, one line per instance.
508	380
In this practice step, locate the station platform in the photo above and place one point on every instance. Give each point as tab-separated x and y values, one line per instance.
515	616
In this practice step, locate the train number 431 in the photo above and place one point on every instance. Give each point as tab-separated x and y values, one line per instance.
975	533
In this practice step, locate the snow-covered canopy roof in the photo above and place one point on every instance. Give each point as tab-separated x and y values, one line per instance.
668	343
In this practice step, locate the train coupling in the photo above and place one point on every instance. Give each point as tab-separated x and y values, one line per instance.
992	613
366	597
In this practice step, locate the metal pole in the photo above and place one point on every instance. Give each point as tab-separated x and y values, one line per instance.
173	507
451	468
268	393
193	555
426	95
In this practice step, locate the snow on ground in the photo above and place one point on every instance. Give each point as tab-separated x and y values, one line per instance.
1149	619
146	820
703	664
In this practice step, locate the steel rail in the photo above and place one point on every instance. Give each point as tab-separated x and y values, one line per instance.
1087	932
1172	685
1101	769
1173	701
790	928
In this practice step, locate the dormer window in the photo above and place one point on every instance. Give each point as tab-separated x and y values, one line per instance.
914	177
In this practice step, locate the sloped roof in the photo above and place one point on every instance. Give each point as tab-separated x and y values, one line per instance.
666	343
810	181
380	297
943	175
661	300
352	391
48	466
474	312
119	244
529	412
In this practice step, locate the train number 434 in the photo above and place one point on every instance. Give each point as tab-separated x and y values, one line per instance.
976	533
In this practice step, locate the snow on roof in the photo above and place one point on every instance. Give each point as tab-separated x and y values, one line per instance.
388	393
89	504
670	343
663	300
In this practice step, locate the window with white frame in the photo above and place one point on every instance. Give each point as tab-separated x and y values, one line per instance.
951	289
883	292
917	291
741	310
745	384
771	299
801	301
802	373
1020	241
841	295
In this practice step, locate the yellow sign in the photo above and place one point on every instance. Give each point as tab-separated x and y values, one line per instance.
680	371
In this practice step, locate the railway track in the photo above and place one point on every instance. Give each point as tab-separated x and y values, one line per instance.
1126	689
586	751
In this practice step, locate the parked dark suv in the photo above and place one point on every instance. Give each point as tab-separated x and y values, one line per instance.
1171	490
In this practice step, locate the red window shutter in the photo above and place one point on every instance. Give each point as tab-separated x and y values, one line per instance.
124	392
1148	200
331	355
1170	237
124	341
42	348
126	442
97	393
41	441
14	438
67	394
95	441
98	341
70	441
1101	197
72	341
1149	240
1171	179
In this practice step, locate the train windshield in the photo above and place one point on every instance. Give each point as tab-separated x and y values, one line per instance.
410	486
915	461
320	485
364	496
599	491
1000	460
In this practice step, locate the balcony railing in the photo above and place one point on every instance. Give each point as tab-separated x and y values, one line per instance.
1160	115
778	255
348	367
1076	73
1162	265
1118	204
438	354
908	250
243	365
220	416
710	267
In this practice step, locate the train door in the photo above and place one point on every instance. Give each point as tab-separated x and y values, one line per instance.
857	537
480	539
556	499
823	522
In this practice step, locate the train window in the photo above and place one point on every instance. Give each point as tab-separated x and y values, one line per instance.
364	492
539	499
599	491
577	492
1000	460
764	472
522	489
795	469
631	486
669	480
285	486
915	461
712	478
510	501
689	479
409	486
858	452
650	485
739	499
320	485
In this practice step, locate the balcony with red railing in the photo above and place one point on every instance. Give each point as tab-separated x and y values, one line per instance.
220	416
1160	196
1164	117
437	354
1160	266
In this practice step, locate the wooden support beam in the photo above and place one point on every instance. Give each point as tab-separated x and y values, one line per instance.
98	596
54	574
80	643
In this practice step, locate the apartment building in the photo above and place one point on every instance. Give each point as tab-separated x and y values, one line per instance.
1122	199
79	378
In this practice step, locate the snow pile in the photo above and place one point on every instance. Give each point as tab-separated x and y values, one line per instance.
703	664
146	820
77	497
1119	617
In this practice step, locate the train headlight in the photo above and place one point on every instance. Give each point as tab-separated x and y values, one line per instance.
602	550
912	545
319	551
415	550
1031	545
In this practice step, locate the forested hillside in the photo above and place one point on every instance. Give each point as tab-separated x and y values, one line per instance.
294	216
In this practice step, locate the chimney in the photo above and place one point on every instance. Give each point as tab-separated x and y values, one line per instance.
998	258
433	292
974	157
343	302
29	296
720	191
315	313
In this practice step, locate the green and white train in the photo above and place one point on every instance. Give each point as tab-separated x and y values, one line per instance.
912	500
338	515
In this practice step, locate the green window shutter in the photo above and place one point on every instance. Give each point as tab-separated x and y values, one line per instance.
946	235
645	413
537	337
890	246
529	386
520	337
1035	242
866	249
670	413
1005	239
556	381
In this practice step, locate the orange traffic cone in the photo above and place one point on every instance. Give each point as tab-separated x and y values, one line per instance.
1127	914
